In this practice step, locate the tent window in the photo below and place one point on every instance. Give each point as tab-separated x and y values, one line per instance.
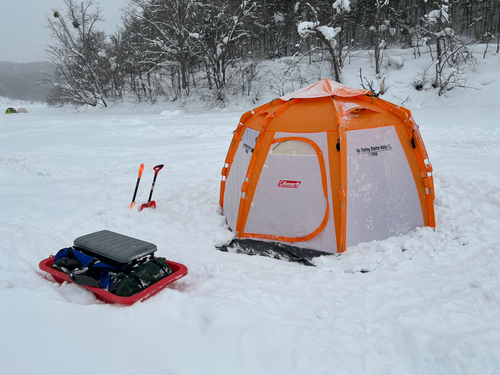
293	148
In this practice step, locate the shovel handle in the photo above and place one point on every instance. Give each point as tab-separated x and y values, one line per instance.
141	169
158	168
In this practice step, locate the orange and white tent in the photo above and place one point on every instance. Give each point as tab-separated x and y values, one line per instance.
324	168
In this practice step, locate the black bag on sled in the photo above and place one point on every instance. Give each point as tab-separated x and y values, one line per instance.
139	278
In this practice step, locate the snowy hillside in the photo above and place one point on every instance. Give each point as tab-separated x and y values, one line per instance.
429	303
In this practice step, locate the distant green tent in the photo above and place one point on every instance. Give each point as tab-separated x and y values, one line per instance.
10	110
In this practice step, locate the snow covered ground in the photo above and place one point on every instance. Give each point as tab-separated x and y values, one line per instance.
430	303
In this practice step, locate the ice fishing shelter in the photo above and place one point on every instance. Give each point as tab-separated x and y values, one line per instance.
324	168
10	110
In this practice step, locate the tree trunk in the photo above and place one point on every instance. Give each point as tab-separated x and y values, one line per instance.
335	61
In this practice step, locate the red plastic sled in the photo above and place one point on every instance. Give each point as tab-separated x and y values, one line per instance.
179	269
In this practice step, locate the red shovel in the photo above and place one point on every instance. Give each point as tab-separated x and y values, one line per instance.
151	204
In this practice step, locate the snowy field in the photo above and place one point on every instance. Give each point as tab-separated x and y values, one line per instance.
429	303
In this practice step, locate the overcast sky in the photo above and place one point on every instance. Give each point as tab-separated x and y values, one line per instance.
22	26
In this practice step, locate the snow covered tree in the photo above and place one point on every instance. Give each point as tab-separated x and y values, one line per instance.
328	35
223	34
171	36
78	56
271	28
380	31
341	19
114	65
136	66
452	55
275	28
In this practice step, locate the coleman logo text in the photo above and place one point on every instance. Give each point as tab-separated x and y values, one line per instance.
289	184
